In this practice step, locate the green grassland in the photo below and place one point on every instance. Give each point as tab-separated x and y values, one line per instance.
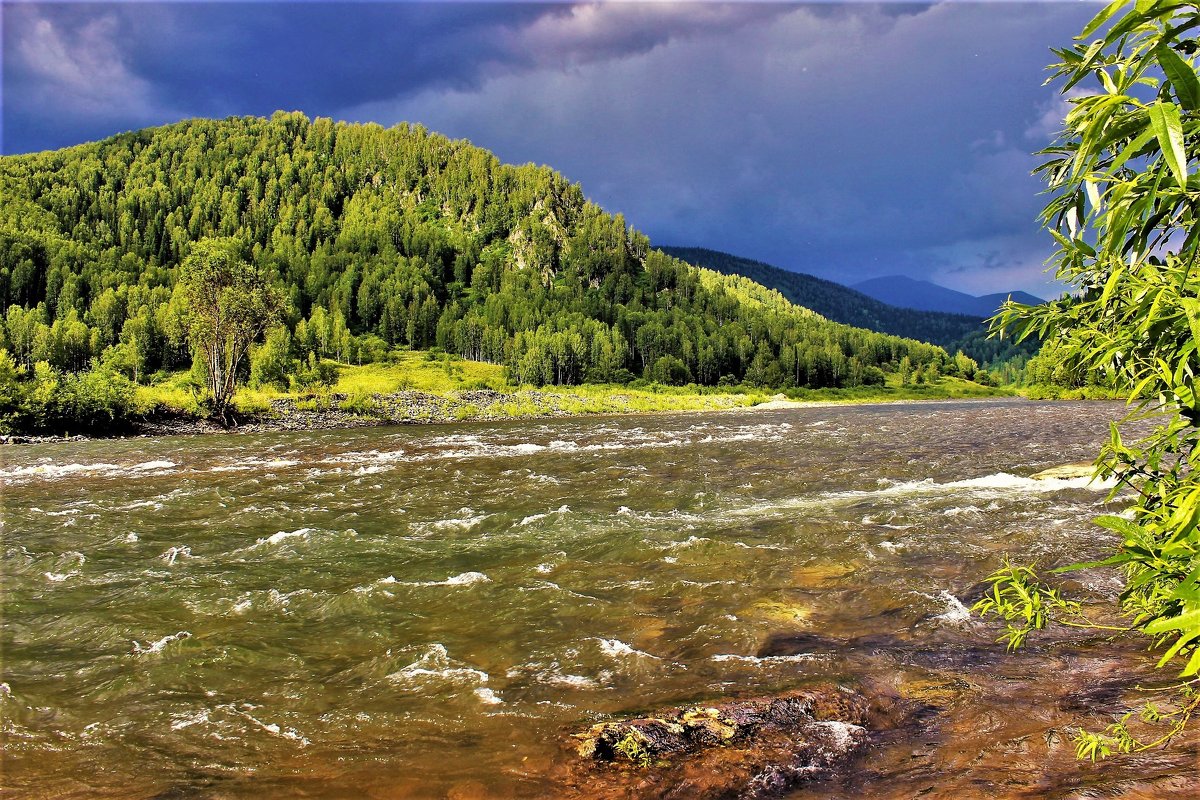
438	387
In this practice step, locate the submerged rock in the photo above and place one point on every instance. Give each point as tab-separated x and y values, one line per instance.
1064	472
755	748
776	611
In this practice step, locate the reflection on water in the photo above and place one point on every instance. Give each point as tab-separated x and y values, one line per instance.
411	612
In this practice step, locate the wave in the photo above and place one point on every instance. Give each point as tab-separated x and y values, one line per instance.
469	519
287	538
552	675
270	727
173	553
955	612
487	696
615	648
758	660
457	446
56	471
181	721
463	579
536	517
255	463
435	666
65	562
157	646
691	541
283	536
997	485
467	446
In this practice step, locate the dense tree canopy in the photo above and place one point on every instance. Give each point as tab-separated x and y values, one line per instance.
380	238
226	305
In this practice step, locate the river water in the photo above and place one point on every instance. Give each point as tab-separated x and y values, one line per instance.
429	611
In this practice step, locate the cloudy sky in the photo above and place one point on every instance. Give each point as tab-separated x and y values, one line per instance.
847	140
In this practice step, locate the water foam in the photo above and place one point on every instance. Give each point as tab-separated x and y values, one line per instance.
956	612
255	463
283	536
435	665
291	734
844	734
56	471
759	660
487	696
536	517
157	647
691	541
181	721
463	579
615	648
997	485
298	535
173	553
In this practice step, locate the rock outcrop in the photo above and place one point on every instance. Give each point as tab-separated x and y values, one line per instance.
754	748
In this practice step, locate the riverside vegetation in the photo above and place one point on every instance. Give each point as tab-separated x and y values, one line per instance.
1126	197
375	243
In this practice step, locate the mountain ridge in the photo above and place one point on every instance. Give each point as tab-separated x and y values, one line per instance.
923	295
844	304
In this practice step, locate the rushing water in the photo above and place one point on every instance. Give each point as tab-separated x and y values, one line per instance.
411	612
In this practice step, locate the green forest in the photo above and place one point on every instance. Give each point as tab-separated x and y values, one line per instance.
840	303
376	239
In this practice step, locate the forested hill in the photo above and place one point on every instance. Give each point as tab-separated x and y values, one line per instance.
835	301
383	238
843	304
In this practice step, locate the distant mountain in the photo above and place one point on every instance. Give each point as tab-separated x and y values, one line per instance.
835	301
900	290
840	303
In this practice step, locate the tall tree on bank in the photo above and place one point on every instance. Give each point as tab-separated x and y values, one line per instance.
1126	197
227	305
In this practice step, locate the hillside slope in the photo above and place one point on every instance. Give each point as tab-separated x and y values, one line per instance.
900	290
835	301
384	238
842	304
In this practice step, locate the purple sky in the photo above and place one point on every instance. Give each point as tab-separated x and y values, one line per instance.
848	140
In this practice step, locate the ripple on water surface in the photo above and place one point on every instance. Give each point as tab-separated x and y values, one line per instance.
356	612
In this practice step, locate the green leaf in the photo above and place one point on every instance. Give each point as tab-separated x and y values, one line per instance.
1193	665
1167	127
1132	149
1101	18
1181	75
1183	622
1120	525
1191	307
1111	561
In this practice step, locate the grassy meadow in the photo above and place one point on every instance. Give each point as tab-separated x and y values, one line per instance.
447	388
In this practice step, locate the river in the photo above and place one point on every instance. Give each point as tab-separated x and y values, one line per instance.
428	611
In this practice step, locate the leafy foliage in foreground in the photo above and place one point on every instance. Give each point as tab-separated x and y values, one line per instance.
1124	214
381	239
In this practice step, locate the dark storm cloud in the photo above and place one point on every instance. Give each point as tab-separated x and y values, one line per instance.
160	62
147	63
848	140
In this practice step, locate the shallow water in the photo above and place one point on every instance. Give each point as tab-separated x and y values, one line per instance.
411	612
